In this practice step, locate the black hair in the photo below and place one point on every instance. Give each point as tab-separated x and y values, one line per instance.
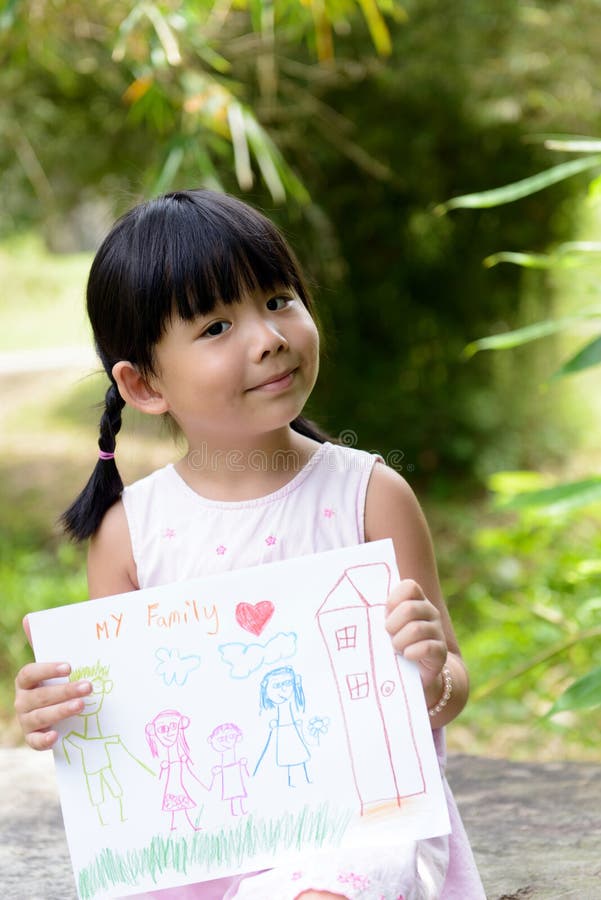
178	254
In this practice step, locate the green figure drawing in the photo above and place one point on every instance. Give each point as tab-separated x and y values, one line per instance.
94	746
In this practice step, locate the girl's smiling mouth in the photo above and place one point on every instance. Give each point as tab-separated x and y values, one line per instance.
276	383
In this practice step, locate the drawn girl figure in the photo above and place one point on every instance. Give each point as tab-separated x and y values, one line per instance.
165	736
231	772
282	690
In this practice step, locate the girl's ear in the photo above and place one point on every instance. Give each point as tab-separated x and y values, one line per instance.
136	391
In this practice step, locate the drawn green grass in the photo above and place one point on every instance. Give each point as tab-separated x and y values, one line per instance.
311	828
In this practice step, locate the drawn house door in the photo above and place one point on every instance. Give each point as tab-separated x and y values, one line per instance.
382	750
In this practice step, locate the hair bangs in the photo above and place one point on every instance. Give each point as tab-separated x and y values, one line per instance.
224	253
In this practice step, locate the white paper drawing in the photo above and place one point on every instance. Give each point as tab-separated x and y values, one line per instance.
239	721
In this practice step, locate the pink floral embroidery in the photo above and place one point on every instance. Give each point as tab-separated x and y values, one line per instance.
169	533
328	513
359	882
271	540
221	549
296	875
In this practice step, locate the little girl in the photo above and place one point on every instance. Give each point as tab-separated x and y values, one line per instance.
200	311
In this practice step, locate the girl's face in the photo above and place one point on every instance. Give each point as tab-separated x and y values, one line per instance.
279	688
241	371
166	729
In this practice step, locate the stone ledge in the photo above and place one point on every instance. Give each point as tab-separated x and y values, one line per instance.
535	828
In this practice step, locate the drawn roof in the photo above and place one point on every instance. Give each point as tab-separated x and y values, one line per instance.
364	586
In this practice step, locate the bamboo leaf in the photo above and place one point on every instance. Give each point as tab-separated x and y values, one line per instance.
164	33
264	154
377	27
509	339
586	358
582	694
238	130
125	29
574	145
511	192
559	498
529	260
278	175
170	169
567	255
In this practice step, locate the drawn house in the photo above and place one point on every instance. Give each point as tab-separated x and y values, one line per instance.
370	688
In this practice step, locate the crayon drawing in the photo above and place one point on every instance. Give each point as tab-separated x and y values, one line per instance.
95	747
231	774
167	741
282	691
268	717
370	688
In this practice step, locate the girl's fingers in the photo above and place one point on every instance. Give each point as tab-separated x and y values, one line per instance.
430	654
41	740
39	707
49	695
407	589
45	717
32	674
408	612
418	632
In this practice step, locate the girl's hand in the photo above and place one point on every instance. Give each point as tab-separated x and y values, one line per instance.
416	630
39	707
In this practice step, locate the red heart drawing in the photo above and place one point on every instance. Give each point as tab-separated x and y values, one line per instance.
254	618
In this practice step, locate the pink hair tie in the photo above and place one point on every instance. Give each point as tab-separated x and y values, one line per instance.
103	455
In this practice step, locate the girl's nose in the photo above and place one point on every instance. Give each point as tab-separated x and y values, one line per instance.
268	339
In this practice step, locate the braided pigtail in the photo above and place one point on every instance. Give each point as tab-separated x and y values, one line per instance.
105	486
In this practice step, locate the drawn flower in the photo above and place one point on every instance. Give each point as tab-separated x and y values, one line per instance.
328	513
220	550
318	726
169	533
271	540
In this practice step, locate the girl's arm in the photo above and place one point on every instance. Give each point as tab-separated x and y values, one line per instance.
39	706
417	618
111	566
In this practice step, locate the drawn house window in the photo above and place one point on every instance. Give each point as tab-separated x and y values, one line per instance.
346	638
358	685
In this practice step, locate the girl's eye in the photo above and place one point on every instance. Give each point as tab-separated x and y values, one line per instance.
276	303
216	329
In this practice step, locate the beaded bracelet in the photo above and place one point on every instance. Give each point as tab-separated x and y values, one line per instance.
447	690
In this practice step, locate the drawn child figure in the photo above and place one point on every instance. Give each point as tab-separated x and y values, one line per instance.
282	690
231	772
167	730
200	311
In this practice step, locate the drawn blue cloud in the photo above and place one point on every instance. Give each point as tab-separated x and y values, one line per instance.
175	668
247	658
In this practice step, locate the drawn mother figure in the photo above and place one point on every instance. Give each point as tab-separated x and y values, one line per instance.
166	738
282	690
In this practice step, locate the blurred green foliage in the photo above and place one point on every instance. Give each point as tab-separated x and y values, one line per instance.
567	497
524	591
